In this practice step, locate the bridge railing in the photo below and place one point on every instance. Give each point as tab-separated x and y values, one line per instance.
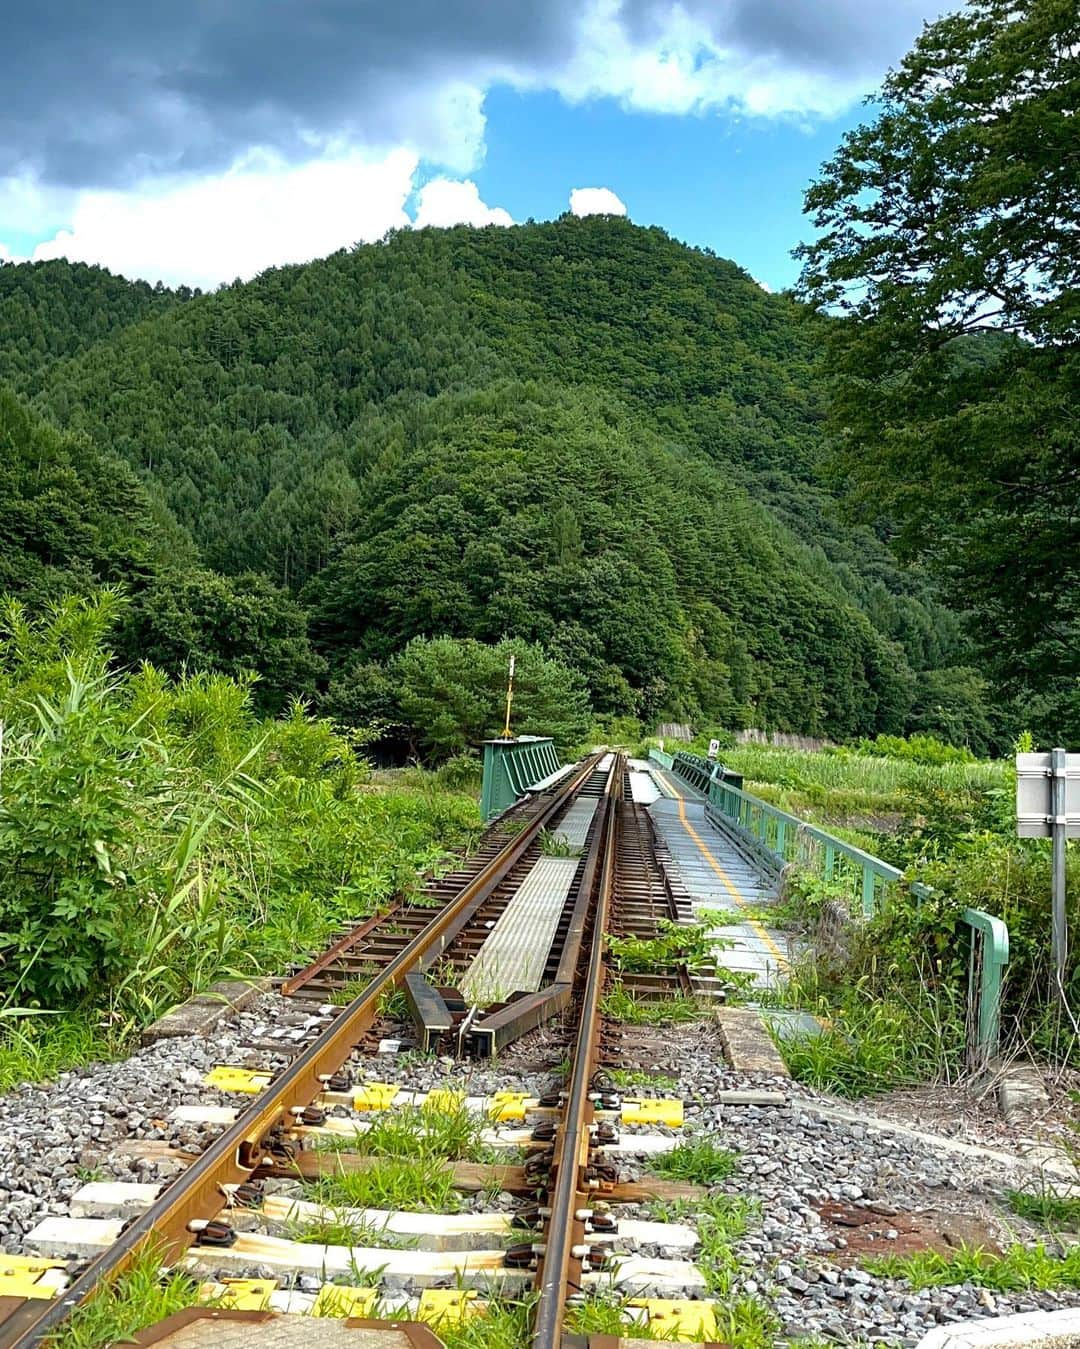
512	768
780	839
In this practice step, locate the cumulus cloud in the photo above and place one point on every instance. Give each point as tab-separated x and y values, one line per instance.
261	213
196	142
445	201
595	201
109	97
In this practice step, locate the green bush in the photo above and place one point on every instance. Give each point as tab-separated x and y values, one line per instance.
927	749
155	834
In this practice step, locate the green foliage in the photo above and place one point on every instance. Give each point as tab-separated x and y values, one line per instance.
74	515
1019	1268
49	310
870	1042
946	236
698	1160
676	944
580	434
504	1325
156	834
620	1005
1057	1213
37	1048
452	693
410	1184
458	503
139	1297
926	749
196	620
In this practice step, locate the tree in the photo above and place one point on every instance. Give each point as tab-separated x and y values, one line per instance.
950	246
452	693
196	620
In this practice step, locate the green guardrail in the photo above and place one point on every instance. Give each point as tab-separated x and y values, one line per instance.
664	760
780	839
511	767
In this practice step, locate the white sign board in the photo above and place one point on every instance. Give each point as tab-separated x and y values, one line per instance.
714	748
1034	784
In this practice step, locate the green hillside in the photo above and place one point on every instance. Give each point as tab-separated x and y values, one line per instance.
580	433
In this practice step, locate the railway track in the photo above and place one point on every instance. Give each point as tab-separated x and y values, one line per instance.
224	1215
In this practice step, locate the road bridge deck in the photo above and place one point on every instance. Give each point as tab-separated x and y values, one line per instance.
718	878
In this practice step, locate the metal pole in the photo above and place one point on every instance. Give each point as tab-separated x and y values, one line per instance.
509	700
1059	936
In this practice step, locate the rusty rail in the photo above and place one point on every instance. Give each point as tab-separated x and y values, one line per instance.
260	1133
561	1264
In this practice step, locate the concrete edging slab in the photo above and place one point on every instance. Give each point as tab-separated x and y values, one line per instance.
747	1042
1049	1330
201	1013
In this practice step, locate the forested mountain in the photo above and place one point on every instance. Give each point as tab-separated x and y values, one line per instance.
53	309
579	433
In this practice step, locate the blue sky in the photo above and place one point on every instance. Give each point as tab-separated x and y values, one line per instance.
731	184
195	143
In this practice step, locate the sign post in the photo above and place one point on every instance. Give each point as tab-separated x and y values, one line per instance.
1048	806
509	699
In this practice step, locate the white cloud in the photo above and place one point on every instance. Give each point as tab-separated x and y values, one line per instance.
444	202
595	201
684	63
261	213
258	214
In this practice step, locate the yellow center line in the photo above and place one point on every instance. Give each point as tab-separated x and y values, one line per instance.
729	884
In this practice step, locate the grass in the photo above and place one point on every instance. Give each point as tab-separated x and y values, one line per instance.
866	1044
138	1298
620	1005
449	1133
1018	1269
605	1313
742	1323
409	1148
413	1185
1055	1212
38	1048
338	1228
721	1220
553	844
698	1161
502	1325
875	778
634	1077
341	997
674	944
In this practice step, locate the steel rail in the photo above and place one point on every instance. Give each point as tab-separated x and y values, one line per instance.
233	1157
509	1023
560	1267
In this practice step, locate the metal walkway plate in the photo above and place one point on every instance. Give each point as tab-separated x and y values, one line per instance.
512	959
717	876
573	828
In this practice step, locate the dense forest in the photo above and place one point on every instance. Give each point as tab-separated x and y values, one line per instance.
580	434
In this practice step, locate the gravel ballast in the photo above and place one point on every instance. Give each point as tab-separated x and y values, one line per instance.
800	1167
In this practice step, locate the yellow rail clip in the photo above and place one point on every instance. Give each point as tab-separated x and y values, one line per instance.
21	1276
679	1320
334	1300
374	1096
240	1295
243	1081
653	1111
449	1304
443	1102
508	1105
